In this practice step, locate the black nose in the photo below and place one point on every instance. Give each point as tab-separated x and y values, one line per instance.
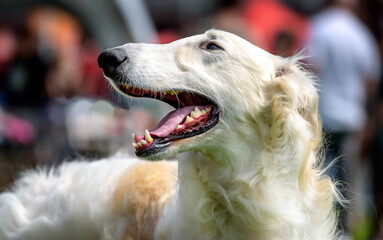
109	60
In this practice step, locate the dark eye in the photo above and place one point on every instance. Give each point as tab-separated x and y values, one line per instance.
213	46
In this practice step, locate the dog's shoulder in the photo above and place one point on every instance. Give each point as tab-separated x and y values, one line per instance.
142	193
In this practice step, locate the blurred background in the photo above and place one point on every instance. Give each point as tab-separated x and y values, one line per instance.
55	105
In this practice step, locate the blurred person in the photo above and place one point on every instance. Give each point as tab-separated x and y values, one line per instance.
63	42
371	13
22	75
23	70
346	60
8	47
60	36
377	161
276	27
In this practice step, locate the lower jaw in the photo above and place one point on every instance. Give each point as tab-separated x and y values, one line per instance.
153	153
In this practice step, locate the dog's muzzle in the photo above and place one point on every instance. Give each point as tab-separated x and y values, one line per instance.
110	60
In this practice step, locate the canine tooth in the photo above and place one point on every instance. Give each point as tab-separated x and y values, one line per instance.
134	137
188	119
172	93
143	142
208	109
148	137
203	112
164	92
135	145
126	86
139	144
178	127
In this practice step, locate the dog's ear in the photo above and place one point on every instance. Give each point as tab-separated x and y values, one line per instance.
294	123
296	130
295	135
294	104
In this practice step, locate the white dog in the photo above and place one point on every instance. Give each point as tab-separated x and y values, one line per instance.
252	115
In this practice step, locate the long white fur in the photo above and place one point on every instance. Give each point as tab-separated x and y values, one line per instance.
259	176
71	202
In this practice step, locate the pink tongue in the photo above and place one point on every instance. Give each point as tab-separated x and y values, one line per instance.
170	121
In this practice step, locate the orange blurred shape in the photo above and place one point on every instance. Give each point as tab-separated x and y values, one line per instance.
268	18
59	29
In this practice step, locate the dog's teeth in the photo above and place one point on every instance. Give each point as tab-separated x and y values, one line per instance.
203	112
188	119
177	92
178	127
135	145
208	109
134	137
172	93
139	144
148	137
195	114
144	142
126	86
164	92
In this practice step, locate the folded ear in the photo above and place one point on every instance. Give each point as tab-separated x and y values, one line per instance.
294	105
294	139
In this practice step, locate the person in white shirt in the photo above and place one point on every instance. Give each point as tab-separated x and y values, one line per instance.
344	55
346	59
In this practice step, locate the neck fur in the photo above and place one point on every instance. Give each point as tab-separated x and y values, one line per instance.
244	191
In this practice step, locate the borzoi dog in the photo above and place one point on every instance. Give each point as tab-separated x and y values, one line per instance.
251	114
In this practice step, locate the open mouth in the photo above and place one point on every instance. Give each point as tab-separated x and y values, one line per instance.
194	115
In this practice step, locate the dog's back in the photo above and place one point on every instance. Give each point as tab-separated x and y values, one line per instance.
87	200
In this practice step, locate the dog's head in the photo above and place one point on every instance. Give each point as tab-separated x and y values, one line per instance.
217	82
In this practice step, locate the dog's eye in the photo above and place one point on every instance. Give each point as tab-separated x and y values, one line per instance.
213	46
